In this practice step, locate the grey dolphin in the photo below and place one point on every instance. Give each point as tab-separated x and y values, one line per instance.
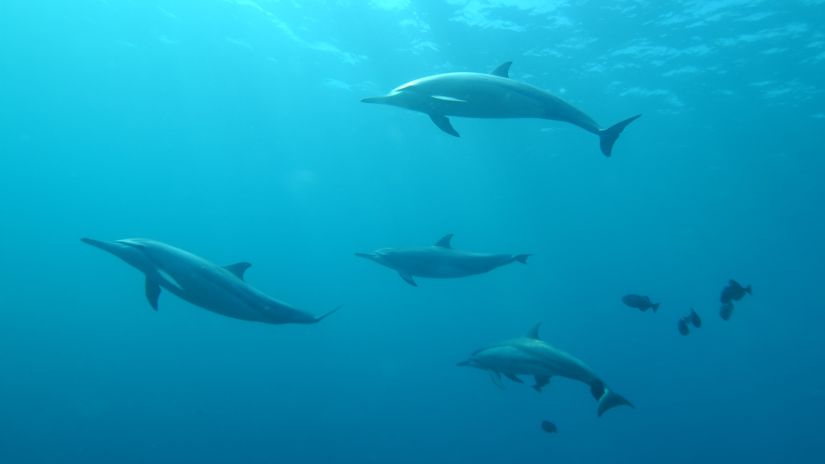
220	289
494	95
439	261
534	357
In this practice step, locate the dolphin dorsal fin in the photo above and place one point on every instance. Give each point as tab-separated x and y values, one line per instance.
238	269
503	70
534	332
444	242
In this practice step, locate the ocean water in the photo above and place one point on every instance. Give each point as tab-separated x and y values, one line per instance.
234	129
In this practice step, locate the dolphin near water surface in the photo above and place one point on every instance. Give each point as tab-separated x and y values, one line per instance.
494	95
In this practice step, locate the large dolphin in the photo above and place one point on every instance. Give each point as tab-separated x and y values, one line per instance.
439	261
219	289
534	357
494	95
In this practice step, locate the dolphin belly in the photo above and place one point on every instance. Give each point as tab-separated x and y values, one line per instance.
202	291
445	266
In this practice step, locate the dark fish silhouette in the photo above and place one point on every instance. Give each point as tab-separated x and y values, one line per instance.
549	427
726	310
683	326
734	292
695	319
640	302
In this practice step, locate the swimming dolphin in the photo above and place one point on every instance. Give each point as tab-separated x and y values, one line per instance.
494	95
439	261
218	289
532	356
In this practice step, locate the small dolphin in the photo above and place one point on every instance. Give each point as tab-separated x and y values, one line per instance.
640	302
532	356
439	261
494	95
218	289
734	292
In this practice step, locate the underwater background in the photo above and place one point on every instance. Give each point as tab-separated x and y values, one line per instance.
233	129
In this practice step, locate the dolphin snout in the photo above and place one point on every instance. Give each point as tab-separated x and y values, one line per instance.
463	363
365	255
108	246
91	241
381	99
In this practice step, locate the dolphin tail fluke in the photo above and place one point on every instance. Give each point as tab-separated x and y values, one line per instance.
655	306
609	136
749	290
326	314
521	258
610	400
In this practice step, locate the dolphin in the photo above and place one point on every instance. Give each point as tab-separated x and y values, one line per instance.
532	356
439	261
494	95
220	289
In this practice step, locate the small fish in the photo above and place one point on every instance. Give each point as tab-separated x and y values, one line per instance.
695	319
734	292
683	326
640	302
726	310
549	427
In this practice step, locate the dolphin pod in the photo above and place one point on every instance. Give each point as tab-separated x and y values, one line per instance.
220	289
439	261
223	290
532	356
494	95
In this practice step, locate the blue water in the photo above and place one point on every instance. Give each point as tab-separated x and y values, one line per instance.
233	129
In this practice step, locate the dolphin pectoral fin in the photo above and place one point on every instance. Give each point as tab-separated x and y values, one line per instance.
152	293
513	378
496	378
444	124
408	278
238	269
541	382
503	70
607	137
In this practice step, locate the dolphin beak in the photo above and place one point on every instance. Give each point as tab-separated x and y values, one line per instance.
111	247
462	363
381	99
365	255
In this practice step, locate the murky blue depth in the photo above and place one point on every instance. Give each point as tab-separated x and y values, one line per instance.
234	129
